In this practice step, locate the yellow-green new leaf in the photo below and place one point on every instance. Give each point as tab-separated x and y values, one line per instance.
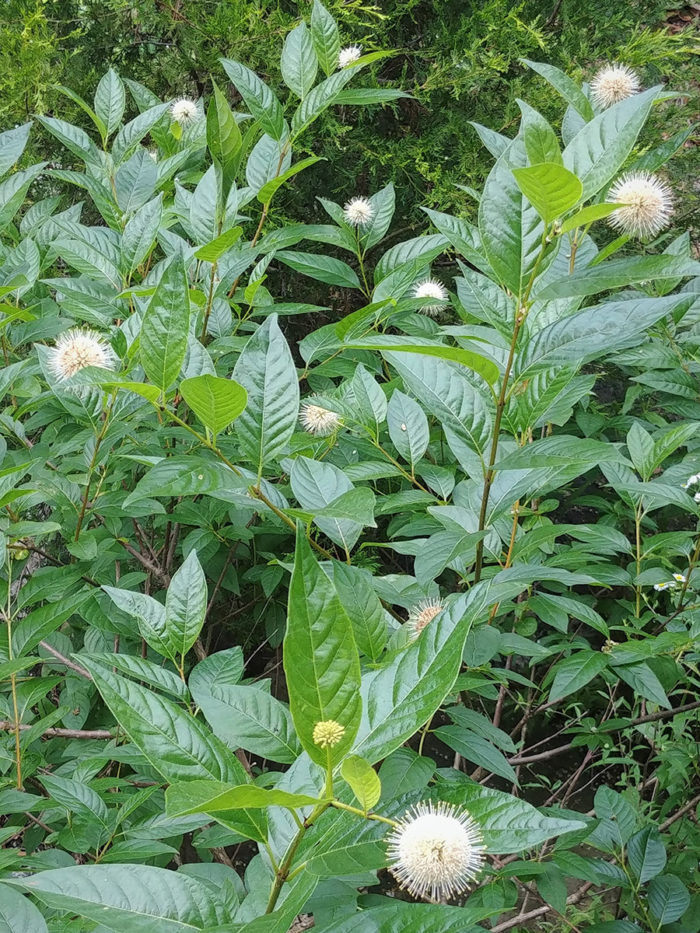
215	401
550	188
363	780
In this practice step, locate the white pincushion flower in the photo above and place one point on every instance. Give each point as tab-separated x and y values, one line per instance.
317	420
358	212
647	204
435	850
348	55
77	349
422	614
613	84
431	288
184	110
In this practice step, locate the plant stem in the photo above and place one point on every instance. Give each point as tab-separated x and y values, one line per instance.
93	461
282	872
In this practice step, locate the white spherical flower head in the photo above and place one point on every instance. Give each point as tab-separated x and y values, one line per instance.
647	204
348	55
423	614
358	212
435	850
77	349
317	420
431	288
184	110
613	84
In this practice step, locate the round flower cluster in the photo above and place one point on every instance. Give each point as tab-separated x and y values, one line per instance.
317	420
613	84
348	55
184	110
358	212
422	614
328	733
435	850
647	204
431	288
77	349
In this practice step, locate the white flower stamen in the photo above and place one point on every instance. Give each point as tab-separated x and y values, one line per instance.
647	204
317	420
431	288
614	83
423	614
77	349
435	851
184	110
358	212
348	55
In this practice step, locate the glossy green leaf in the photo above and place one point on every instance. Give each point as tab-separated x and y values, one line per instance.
574	672
186	605
266	371
258	97
550	188
299	63
325	37
214	796
215	401
18	914
110	100
363	781
320	658
130	898
165	327
668	898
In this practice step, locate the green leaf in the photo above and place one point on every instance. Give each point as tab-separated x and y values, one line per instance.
186	605
643	681
215	401
617	273
476	749
135	181
510	227
131	134
601	147
176	744
325	37
216	248
563	84
508	824
646	854
258	97
641	449
246	717
266	371
140	234
17	913
594	332
321	98
110	100
550	188
223	137
574	672
215	796
351	858
400	697
408	427
320	658
130	898
541	143
12	145
363	607
668	898
322	268
299	63
316	484
402	917
363	780
355	505
480	364
166	326
269	188
587	215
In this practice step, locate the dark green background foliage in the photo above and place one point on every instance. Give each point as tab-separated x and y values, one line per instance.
458	59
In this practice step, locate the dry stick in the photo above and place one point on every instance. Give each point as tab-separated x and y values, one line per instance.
640	720
7	726
541	911
679	813
76	668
